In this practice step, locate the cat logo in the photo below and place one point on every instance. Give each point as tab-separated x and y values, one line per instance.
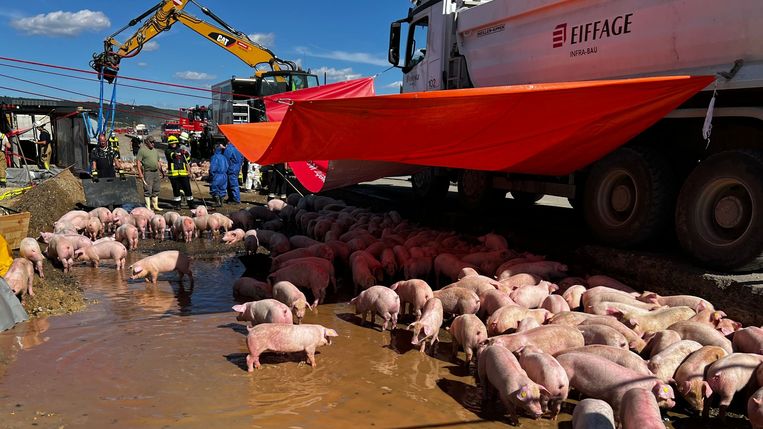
221	39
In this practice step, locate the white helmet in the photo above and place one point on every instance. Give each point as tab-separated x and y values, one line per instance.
184	136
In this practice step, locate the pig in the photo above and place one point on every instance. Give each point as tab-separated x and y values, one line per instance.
319	250
20	276
602	334
617	355
61	249
276	205
379	300
665	363
158	225
729	375
711	317
555	304
702	334
603	293
169	260
78	241
324	264
690	375
727	326
693	302
509	283
105	250
200	225
492	300
141	222
640	410
469	332
104	215
493	241
213	226
543	369
569	282
263	311
599	378
611	283
569	318
276	242
142	211
428	326
550	339
170	217
226	223
94	228
233	236
30	249
544	269
251	243
417	268
755	409
634	340
477	284
127	234
457	300
76	218
500	371
573	295
593	414
527	323
414	293
749	340
252	289
532	296
302	241
507	318
448	265
282	338
660	341
388	262
199	211
307	275
657	320
288	294
183	228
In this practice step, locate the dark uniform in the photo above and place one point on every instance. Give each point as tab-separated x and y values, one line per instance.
103	157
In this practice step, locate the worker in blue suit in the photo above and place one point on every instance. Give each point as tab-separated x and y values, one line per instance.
235	160
218	171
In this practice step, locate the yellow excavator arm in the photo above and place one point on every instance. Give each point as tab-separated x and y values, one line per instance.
165	14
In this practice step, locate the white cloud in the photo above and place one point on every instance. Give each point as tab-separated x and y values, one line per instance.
193	75
62	23
265	39
395	84
151	45
336	75
353	57
142	64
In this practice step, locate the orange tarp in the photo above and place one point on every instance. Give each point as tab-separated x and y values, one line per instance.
547	129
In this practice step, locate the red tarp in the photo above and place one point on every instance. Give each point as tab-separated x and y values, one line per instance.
547	129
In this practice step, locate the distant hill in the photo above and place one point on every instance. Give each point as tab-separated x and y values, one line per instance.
133	115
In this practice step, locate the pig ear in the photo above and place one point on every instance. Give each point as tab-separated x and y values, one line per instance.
706	390
239	308
700	307
523	393
544	392
726	329
717	315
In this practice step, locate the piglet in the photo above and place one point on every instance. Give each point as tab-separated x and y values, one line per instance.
169	260
749	340
593	414
640	410
379	300
127	234
293	298
104	250
414	294
30	249
729	375
20	277
690	376
183	228
252	289
233	236
283	338
263	311
158	226
469	332
543	369
457	300
665	363
61	249
755	409
307	275
428	326
94	228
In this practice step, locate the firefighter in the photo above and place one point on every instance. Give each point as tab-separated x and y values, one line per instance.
103	162
114	145
218	171
178	165
45	142
4	146
235	159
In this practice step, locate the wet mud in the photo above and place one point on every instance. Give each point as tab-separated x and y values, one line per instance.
173	355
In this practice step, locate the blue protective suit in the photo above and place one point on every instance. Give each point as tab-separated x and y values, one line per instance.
235	160
218	170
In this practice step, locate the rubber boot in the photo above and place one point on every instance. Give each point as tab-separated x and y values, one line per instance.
148	202
218	201
155	203
176	204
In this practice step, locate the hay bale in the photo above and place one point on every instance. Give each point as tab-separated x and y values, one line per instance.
49	200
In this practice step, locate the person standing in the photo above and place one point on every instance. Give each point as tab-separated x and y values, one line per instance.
135	142
178	162
5	145
150	171
235	159
218	171
277	182
104	163
45	143
114	145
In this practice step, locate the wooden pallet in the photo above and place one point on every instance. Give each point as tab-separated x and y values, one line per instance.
15	227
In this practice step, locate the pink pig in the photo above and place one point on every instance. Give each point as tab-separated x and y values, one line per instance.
263	311
183	228
413	294
640	410
283	338
169	260
290	295
379	300
20	277
30	249
543	369
469	332
428	326
105	250
252	289
158	225
61	249
129	234
233	236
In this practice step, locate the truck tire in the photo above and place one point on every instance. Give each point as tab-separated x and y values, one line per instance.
476	192
628	197
719	213
429	185
525	198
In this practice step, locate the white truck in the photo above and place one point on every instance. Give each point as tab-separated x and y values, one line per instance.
141	131
670	176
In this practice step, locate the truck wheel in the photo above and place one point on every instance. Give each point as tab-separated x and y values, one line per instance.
719	214
429	185
475	190
628	196
525	198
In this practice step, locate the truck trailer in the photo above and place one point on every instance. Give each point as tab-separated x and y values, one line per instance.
698	171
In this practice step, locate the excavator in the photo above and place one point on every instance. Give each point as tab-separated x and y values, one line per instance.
266	65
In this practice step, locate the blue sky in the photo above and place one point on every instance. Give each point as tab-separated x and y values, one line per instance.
344	39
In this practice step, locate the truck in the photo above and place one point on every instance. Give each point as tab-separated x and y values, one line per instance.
697	172
141	131
170	128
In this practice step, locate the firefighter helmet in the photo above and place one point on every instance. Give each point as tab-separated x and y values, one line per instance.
184	136
172	140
